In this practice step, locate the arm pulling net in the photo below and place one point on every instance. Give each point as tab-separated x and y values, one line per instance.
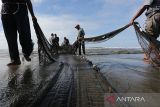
45	50
106	36
149	45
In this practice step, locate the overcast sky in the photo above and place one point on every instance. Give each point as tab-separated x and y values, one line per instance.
95	16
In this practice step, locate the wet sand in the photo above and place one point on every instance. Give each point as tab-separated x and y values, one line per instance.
20	85
72	82
128	72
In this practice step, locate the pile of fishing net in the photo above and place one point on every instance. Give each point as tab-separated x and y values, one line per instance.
45	50
149	45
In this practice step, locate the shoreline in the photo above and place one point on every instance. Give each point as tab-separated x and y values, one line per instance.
90	51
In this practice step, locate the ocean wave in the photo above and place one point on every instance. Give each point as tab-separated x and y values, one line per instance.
110	51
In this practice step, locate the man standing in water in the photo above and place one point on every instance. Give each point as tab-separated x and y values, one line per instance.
153	18
15	18
80	39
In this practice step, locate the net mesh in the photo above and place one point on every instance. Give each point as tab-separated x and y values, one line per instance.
106	36
100	38
149	45
45	50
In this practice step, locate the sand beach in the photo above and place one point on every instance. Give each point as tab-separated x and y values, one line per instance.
32	85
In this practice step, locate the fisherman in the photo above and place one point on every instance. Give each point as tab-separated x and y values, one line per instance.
51	38
152	27
65	42
80	39
55	43
15	18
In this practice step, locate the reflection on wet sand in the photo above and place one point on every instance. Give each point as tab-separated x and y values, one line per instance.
20	84
12	79
128	73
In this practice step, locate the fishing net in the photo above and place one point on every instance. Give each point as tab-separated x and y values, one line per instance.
106	36
45	50
100	38
149	45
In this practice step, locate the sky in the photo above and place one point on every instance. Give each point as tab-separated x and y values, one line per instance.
96	17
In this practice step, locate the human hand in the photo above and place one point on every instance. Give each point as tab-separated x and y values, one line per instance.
131	22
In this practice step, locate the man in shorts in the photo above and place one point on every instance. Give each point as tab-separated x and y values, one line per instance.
152	28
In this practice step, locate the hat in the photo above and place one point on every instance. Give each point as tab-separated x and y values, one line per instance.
77	26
